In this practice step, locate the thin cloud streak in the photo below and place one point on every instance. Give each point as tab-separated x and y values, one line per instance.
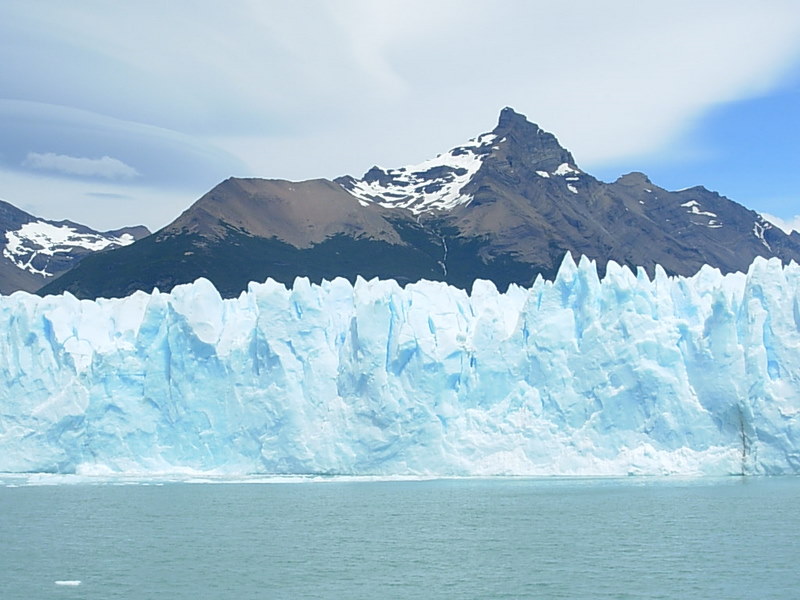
105	167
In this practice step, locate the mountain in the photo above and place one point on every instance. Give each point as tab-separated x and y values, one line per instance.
506	207
34	251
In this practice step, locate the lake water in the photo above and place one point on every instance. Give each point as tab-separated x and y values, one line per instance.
500	538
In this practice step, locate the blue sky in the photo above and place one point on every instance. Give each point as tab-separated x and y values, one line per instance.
116	113
747	150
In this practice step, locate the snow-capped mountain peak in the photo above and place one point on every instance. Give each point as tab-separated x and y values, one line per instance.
434	184
516	147
34	250
33	245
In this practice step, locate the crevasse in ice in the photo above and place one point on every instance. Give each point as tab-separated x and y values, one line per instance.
579	376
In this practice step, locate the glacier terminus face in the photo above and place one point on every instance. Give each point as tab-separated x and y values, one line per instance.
579	376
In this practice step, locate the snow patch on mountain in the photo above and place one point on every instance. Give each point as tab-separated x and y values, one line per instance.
30	246
759	227
566	169
694	208
435	184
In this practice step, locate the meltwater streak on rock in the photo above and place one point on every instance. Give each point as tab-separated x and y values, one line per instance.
578	376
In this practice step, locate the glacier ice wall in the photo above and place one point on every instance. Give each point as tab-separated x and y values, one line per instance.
579	376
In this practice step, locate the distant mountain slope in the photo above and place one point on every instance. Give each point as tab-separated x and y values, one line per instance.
34	251
505	206
249	229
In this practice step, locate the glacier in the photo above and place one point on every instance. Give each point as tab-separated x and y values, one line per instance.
623	375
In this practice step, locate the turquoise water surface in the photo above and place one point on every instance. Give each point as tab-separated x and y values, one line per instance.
497	538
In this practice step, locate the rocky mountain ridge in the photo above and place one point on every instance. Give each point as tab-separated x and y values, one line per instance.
506	206
34	251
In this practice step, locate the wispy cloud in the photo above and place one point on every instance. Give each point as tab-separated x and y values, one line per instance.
109	195
787	225
106	167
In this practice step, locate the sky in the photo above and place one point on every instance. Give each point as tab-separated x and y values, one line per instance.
120	113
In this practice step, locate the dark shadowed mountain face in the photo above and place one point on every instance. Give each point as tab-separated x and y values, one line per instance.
34	251
505	206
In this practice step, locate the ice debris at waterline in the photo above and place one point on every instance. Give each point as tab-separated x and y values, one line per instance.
579	376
